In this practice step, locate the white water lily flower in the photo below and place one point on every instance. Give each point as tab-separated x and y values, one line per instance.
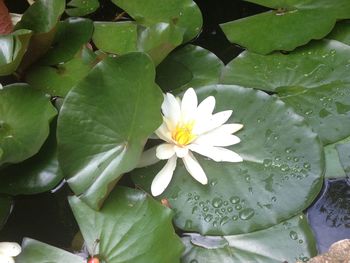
8	250
189	127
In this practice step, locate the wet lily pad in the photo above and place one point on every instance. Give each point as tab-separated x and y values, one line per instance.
12	49
285	242
104	123
341	32
190	66
344	156
25	115
71	35
82	7
280	176
269	31
131	227
57	80
314	80
37	174
334	169
34	251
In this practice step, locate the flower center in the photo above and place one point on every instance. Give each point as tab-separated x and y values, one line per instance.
183	133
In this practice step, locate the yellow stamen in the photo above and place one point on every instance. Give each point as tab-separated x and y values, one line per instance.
183	133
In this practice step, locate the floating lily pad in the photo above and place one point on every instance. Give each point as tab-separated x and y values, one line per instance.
341	32
334	168
118	38
131	227
12	49
314	80
58	80
82	7
280	176
344	156
37	252
190	66
104	123
5	209
286	242
37	174
25	115
269	31
71	35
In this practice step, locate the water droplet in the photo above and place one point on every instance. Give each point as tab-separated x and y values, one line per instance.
208	218
217	202
196	197
188	224
235	218
224	220
258	120
284	168
267	162
229	209
225	203
308	112
296	159
238	207
215	224
300	241
276	137
289	150
247	178
201	204
293	235
306	165
205	209
194	209
278	158
246	214
223	210
273	199
189	194
235	199
213	182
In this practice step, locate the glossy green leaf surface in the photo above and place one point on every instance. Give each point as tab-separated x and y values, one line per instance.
104	124
5	209
280	176
82	7
314	80
58	80
118	38
341	32
289	241
71	35
131	228
334	168
12	49
272	30
37	174
42	16
25	115
34	251
190	66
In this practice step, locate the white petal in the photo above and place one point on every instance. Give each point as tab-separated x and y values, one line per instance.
213	139
163	133
165	151
188	105
206	107
6	259
217	154
171	108
181	151
194	168
163	178
10	249
214	122
148	158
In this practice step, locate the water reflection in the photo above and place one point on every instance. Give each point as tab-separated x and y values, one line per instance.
329	216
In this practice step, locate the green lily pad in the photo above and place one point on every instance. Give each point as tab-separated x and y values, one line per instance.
104	123
289	241
34	251
280	176
344	156
25	115
341	32
42	16
131	227
37	174
190	66
5	209
12	49
82	7
334	168
184	14
71	35
269	31
118	38
58	80
314	80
